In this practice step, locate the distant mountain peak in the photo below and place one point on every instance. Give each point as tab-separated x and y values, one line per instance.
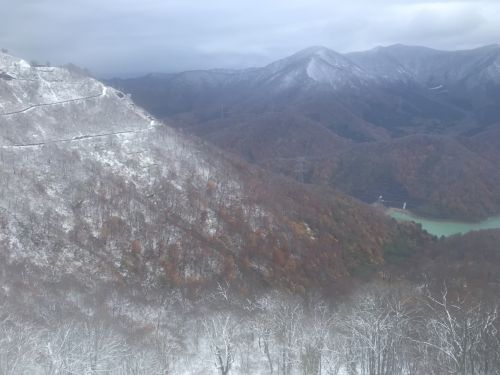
402	49
422	50
318	64
315	52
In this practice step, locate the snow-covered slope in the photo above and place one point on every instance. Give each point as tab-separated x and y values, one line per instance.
431	67
317	64
49	104
84	170
93	185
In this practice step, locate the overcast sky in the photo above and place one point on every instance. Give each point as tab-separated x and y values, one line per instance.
124	37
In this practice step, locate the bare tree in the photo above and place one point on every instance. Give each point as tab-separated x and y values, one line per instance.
374	331
221	330
461	337
17	347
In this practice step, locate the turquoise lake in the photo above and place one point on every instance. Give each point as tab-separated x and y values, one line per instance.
445	227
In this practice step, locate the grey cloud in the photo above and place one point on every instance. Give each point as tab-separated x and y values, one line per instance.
124	37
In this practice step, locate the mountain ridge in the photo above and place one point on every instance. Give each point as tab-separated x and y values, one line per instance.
385	94
99	187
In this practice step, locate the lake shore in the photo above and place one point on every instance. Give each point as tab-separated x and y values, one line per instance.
443	227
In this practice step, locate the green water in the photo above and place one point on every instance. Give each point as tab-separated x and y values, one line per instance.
446	227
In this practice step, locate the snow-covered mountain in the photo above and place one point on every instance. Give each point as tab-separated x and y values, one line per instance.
379	95
50	104
113	224
114	227
93	185
430	67
318	64
373	95
381	65
84	172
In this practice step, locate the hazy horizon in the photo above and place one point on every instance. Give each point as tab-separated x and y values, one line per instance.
127	38
138	74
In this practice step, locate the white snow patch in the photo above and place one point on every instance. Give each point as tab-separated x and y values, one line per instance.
436	88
